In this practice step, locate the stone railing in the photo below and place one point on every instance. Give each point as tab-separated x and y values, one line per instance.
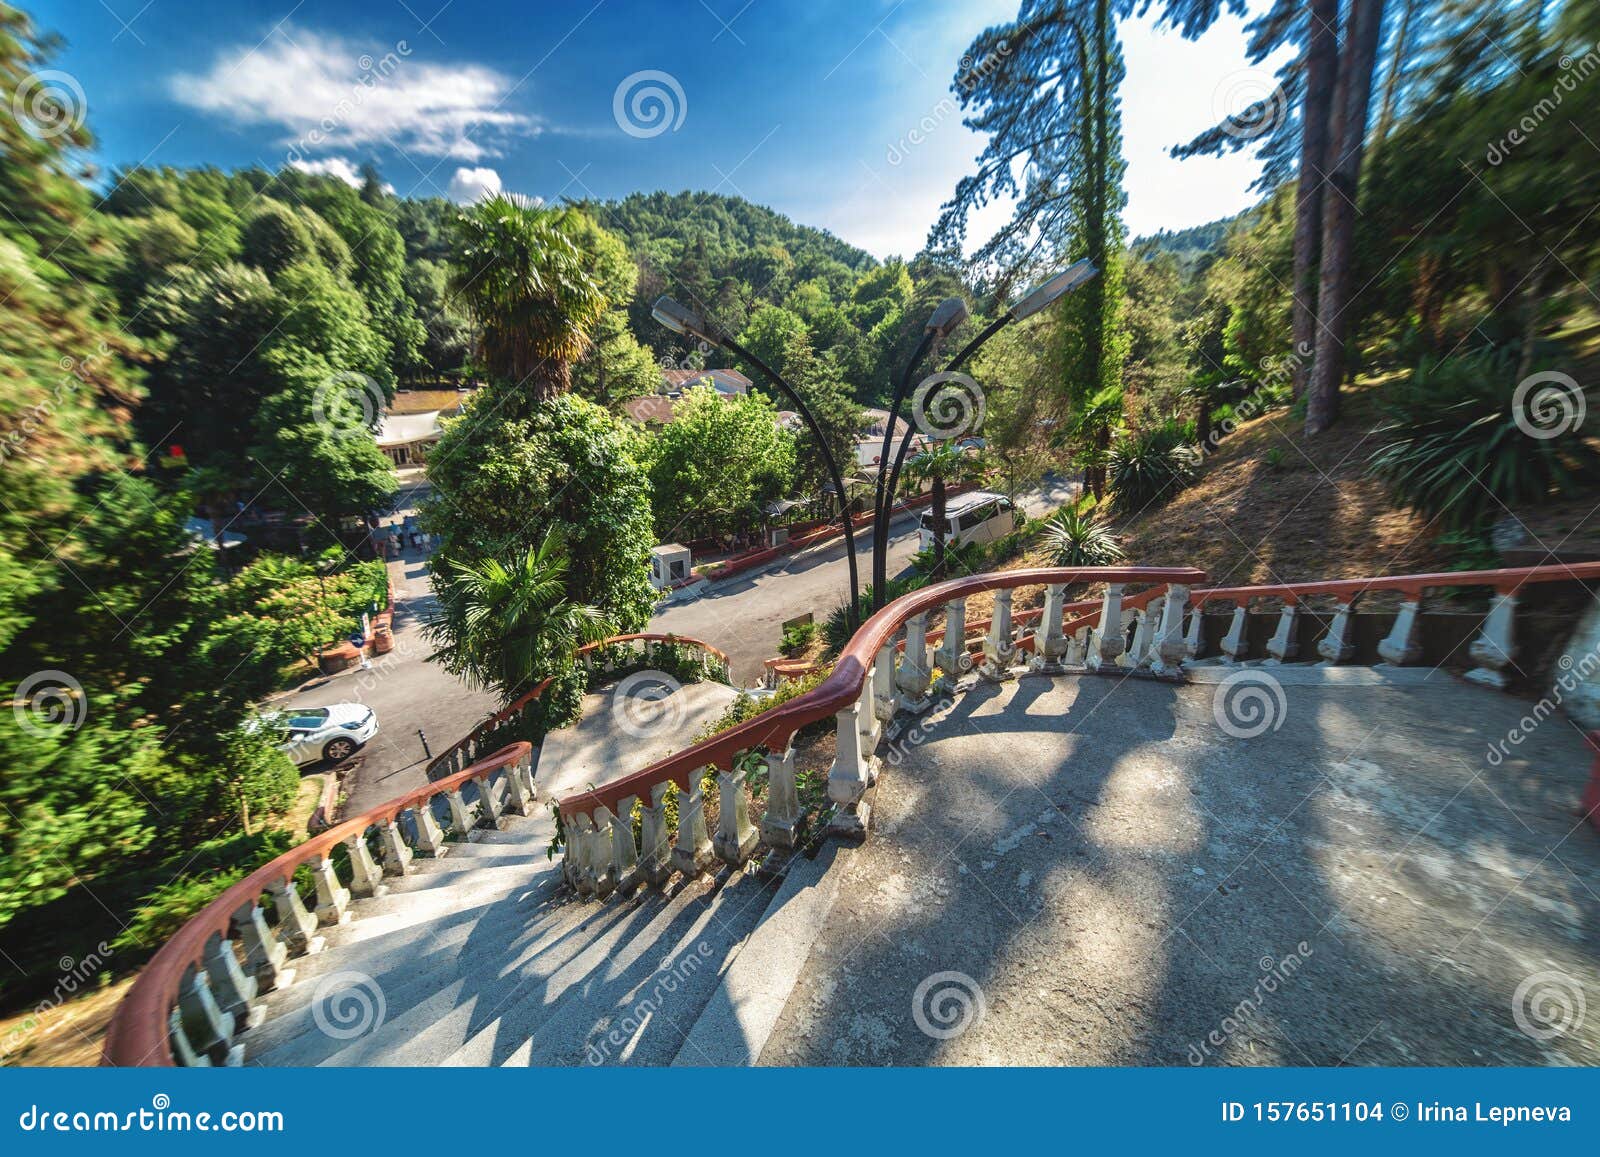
195	998
872	679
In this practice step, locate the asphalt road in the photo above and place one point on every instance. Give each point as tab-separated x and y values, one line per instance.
744	616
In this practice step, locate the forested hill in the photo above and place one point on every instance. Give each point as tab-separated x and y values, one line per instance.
1205	238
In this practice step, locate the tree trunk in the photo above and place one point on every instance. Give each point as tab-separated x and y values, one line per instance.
1397	66
1348	131
1322	52
939	527
1202	425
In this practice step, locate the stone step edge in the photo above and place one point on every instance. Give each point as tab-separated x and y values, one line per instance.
734	1026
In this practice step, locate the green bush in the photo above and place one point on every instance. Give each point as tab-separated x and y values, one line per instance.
1454	449
1075	537
797	638
836	631
1149	467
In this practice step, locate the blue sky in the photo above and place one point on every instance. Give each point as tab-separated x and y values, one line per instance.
829	111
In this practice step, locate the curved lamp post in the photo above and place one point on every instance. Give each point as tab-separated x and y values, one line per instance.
1033	302
680	319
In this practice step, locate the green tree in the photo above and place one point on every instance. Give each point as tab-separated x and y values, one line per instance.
941	463
713	466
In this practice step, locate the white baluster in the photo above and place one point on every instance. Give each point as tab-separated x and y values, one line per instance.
209	1029
601	842
519	799
1283	644
952	654
333	898
392	845
182	1051
884	700
297	926
1491	650
232	989
736	837
580	874
848	777
1049	644
1234	644
1403	643
365	877
430	836
999	648
461	818
1137	657
1169	649
692	853
1078	647
265	957
1194	637
488	804
624	855
655	861
780	823
1106	641
1336	646
916	673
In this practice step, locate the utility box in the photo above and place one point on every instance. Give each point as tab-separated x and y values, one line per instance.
670	564
780	536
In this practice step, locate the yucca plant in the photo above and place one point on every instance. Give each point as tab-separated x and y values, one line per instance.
1149	467
1455	450
1076	537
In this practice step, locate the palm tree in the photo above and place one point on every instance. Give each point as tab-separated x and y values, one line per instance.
527	283
940	462
504	626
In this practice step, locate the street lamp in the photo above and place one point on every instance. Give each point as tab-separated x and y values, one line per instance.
1034	301
680	319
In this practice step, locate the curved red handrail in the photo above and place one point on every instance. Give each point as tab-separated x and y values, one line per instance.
1505	581
843	686
137	1034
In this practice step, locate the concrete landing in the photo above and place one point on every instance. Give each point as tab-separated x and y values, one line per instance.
1092	871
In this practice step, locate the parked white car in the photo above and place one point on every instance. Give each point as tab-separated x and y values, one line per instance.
981	516
334	733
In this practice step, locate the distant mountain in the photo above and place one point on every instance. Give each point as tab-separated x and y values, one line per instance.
1189	242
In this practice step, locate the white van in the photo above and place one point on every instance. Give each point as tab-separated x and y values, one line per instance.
981	516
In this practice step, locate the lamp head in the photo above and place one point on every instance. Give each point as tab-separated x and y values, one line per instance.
1047	291
681	319
952	312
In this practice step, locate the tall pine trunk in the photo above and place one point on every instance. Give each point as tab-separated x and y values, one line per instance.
1348	132
939	527
1322	60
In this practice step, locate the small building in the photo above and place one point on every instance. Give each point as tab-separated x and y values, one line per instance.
412	423
725	382
669	565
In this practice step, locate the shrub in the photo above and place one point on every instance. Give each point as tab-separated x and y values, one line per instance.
797	638
1455	451
1075	537
836	631
1149	467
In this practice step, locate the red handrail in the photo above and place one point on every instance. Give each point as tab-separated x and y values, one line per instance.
774	728
137	1034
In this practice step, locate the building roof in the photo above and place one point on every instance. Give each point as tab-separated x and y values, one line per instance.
422	401
403	429
725	381
651	408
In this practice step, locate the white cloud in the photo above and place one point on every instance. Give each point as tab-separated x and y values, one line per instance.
467	185
341	167
322	91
